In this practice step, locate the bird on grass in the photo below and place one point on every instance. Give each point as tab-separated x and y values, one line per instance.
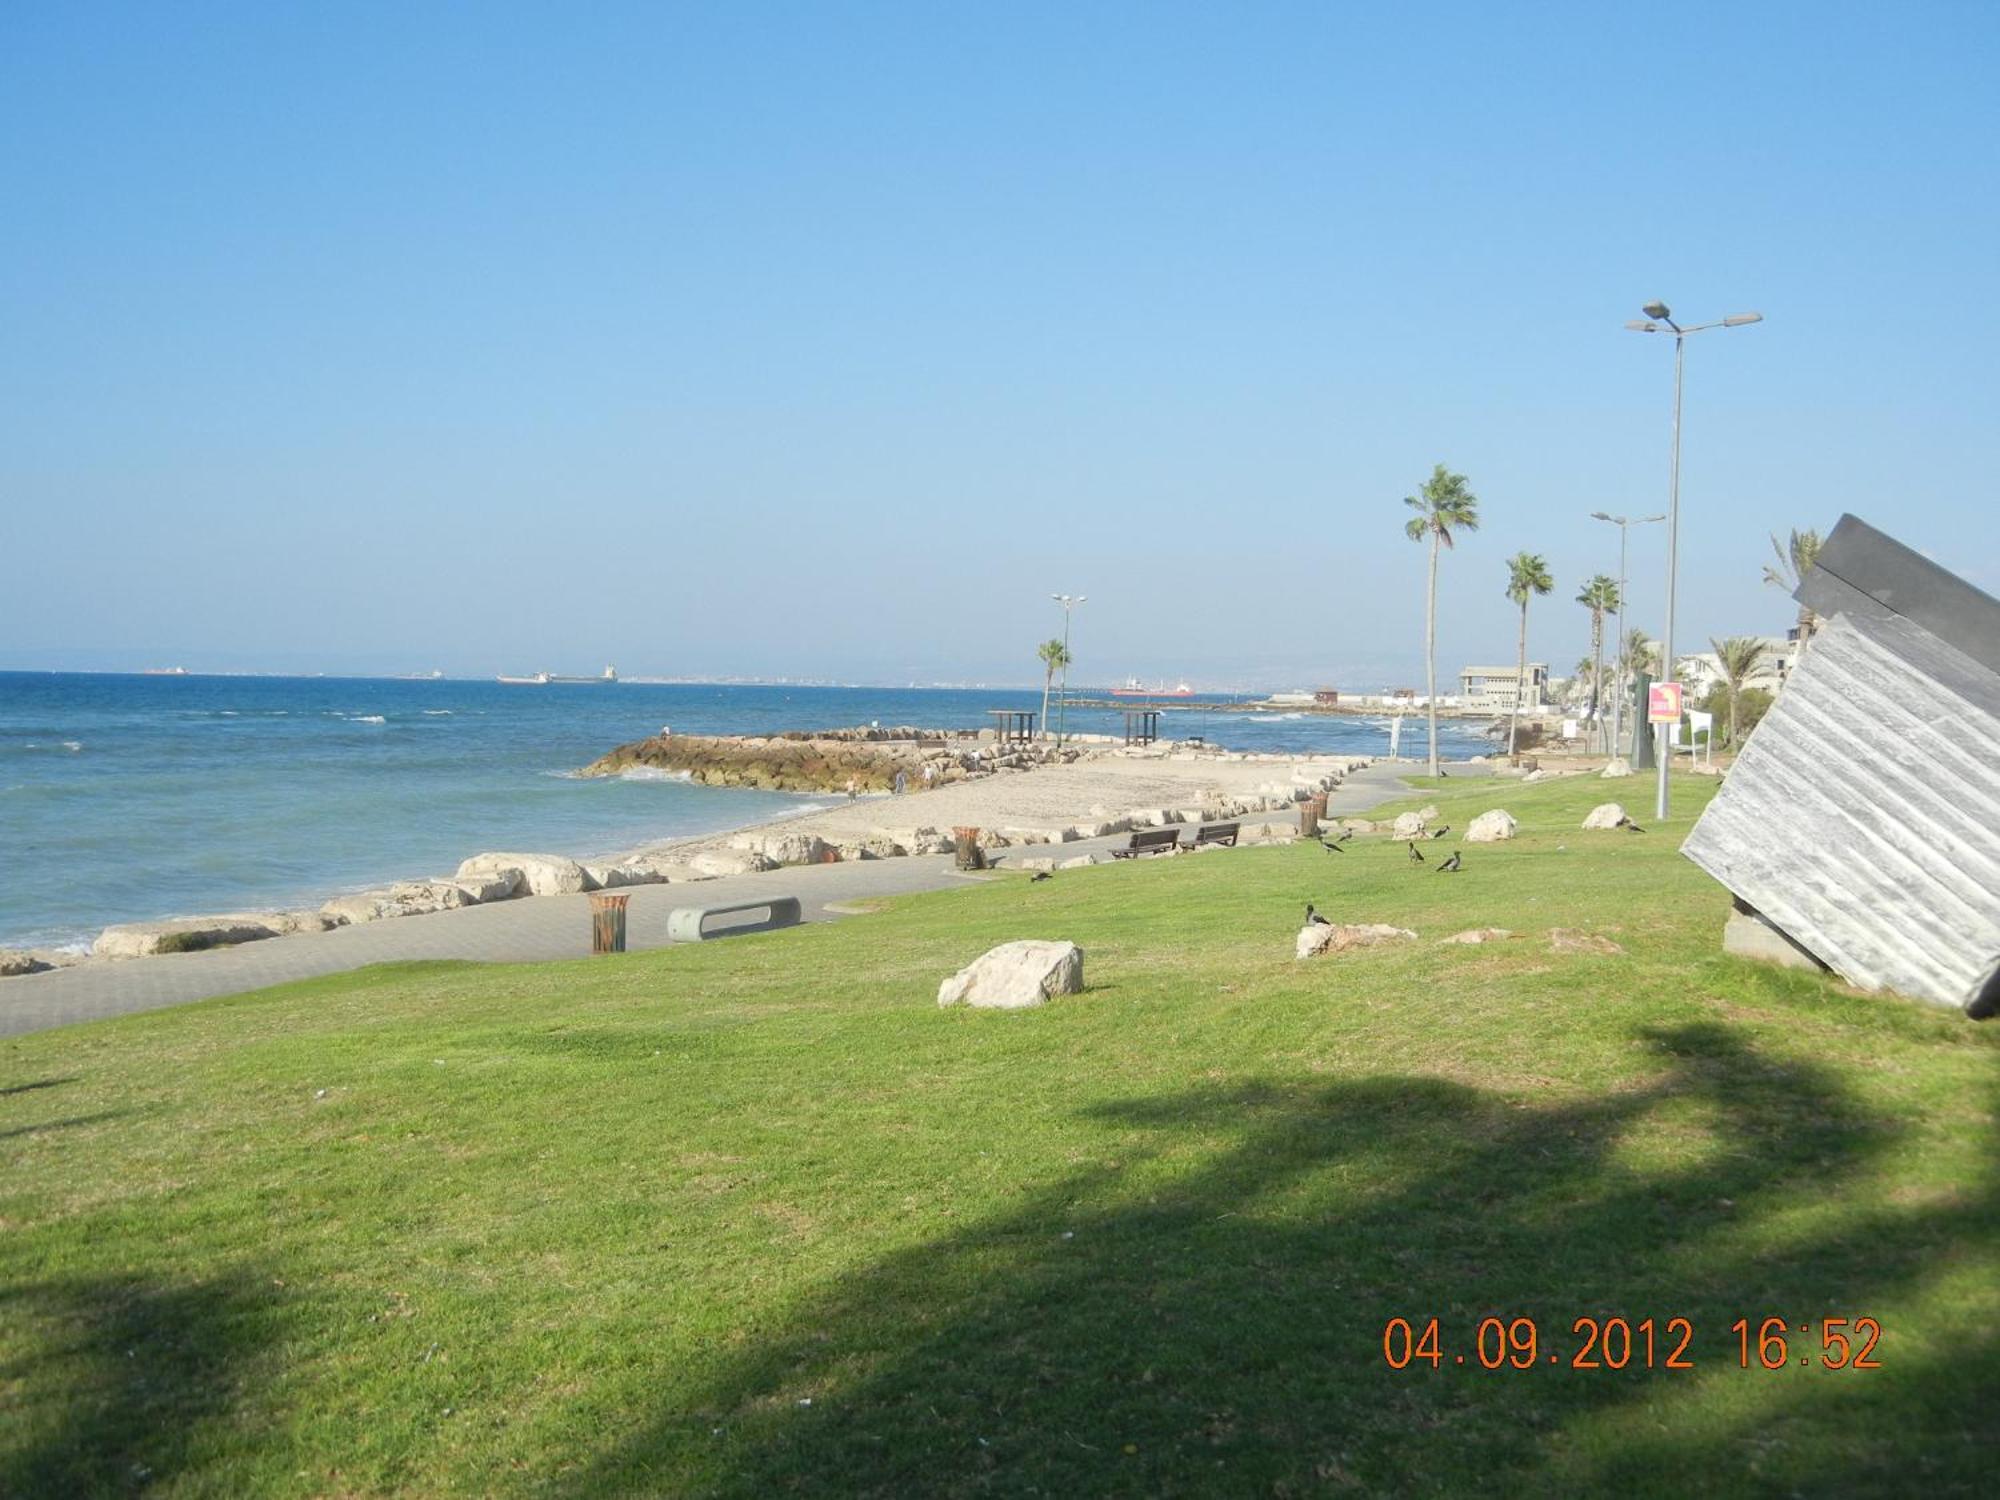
1314	919
1332	848
1629	826
1440	832
1416	854
1451	866
1345	835
1040	875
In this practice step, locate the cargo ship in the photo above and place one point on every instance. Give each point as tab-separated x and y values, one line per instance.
1135	689
543	679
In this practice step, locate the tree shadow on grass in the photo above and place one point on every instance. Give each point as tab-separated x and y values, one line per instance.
123	1378
1142	1328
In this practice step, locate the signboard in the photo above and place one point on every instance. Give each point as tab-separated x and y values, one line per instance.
1663	703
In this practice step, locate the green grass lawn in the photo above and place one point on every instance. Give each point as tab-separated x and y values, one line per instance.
757	1217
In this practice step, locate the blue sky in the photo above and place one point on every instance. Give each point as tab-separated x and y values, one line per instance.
829	340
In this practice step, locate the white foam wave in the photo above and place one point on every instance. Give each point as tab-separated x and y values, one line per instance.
653	773
72	746
437	713
369	719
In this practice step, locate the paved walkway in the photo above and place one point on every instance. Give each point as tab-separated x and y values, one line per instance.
531	929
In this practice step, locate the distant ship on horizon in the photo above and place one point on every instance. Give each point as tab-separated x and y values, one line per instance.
543	679
1135	689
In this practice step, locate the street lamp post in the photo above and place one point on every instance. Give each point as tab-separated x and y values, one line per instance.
1656	314
1068	602
1624	525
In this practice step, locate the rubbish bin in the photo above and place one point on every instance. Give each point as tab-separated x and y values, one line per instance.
965	841
1311	811
607	922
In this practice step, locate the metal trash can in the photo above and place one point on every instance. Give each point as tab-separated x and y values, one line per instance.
1311	811
607	921
965	842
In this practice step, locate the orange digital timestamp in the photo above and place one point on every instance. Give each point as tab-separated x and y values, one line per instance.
1617	1343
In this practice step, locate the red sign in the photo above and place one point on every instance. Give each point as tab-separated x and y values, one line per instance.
1663	703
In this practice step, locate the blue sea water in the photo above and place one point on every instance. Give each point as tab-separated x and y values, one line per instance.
129	797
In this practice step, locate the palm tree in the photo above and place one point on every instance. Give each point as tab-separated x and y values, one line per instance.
1600	597
1794	562
1055	656
1739	657
1443	505
1636	654
1527	575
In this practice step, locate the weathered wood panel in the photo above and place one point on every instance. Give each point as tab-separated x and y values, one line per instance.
1863	817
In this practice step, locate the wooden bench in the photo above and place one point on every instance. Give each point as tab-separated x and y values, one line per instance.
1217	833
1150	841
689	924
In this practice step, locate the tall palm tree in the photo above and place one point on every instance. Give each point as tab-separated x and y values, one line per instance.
1739	657
1442	506
1794	562
1600	597
1527	576
1055	656
1636	654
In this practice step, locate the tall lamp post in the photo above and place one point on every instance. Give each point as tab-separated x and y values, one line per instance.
1624	525
1656	314
1068	603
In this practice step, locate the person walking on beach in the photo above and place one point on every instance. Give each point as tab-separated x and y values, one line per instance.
902	783
852	792
930	775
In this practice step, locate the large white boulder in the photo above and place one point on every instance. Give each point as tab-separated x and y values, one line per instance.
1014	976
1491	827
1408	826
719	862
784	848
1615	767
1337	937
1605	815
178	935
540	874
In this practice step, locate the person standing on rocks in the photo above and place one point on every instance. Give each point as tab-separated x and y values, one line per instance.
902	784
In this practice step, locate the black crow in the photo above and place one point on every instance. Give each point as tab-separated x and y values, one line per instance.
1451	865
1438	833
1416	855
1332	848
1314	919
1040	875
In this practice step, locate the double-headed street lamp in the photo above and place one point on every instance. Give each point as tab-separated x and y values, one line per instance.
1068	603
1656	314
1624	525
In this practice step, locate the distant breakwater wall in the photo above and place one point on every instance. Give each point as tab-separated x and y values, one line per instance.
867	758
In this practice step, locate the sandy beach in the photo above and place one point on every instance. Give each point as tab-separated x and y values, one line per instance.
1057	802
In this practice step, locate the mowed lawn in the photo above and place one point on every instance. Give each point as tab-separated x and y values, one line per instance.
756	1217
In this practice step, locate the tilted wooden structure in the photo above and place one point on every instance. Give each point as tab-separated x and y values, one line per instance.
1863	817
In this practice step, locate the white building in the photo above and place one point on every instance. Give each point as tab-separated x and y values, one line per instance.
1492	688
1702	670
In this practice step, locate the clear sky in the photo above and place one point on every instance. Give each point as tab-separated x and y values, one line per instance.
831	339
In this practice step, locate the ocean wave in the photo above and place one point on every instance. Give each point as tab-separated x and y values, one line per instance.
653	773
437	713
369	719
73	746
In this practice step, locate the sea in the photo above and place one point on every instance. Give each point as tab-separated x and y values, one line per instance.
132	797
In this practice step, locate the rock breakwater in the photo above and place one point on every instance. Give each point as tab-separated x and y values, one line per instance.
865	759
